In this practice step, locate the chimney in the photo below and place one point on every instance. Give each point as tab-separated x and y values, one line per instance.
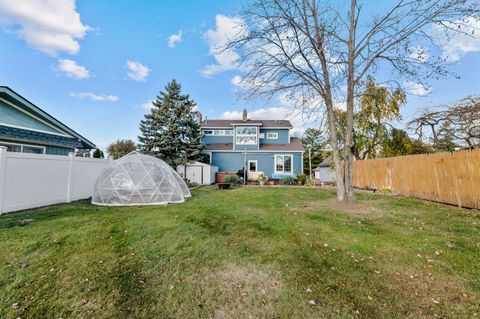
244	115
198	116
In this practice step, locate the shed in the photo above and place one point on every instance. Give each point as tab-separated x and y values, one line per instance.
198	172
324	171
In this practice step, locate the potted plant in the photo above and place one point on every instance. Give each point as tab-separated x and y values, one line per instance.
262	179
301	179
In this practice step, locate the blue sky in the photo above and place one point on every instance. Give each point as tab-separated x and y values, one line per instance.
95	64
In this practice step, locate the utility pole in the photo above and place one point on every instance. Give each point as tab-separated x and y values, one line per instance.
310	161
245	167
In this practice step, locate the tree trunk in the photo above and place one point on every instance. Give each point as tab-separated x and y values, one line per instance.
348	158
332	129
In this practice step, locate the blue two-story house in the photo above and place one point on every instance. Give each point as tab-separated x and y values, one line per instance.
257	145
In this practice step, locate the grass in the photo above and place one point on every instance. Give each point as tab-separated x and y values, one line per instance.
243	253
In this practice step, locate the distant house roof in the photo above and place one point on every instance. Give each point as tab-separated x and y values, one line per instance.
25	136
295	145
16	99
326	163
230	123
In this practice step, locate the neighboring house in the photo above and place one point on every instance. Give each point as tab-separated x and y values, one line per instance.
324	171
25	128
258	145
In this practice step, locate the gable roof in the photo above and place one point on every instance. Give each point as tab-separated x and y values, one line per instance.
230	123
295	145
13	97
326	163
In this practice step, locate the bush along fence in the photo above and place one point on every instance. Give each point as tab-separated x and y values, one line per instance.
34	180
452	178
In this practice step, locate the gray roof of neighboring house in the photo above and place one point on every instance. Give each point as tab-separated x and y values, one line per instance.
326	163
294	145
229	123
15	98
32	137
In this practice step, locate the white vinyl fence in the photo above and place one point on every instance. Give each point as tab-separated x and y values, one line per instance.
34	180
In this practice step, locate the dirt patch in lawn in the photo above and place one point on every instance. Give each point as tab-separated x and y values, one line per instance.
356	208
426	294
246	291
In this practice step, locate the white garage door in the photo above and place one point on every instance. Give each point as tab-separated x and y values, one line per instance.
194	174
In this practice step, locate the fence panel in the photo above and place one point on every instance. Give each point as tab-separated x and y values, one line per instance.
452	178
34	180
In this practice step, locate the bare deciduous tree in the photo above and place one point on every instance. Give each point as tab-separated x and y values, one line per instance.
457	124
320	53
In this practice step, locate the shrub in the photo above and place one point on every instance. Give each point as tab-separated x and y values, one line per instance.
301	179
287	180
232	179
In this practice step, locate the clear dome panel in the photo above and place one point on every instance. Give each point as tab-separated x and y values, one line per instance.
138	179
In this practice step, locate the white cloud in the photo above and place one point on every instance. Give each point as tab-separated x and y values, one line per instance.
226	29
94	97
455	44
147	105
137	71
72	69
174	39
417	89
50	26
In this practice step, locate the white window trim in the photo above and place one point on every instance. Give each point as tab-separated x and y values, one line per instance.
256	165
272	136
215	132
27	145
275	164
256	136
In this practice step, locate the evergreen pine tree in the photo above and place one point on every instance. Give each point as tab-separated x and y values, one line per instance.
170	131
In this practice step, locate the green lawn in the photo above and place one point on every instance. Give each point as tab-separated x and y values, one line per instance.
243	253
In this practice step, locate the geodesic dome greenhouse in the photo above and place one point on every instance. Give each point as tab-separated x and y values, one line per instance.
138	179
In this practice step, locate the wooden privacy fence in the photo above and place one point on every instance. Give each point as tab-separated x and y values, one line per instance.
452	178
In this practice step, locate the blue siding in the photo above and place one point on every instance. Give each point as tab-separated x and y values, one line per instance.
212	139
11	116
234	161
282	136
54	150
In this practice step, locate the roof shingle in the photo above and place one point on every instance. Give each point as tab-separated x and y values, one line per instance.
20	135
262	123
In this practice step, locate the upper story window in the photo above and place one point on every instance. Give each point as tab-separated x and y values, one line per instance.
246	135
272	136
218	132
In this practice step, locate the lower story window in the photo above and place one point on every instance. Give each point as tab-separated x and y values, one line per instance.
283	163
20	148
12	147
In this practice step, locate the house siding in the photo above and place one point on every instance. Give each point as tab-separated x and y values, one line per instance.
54	150
212	139
11	116
283	136
234	161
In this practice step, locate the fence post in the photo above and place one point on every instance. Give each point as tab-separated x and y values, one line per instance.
3	171
71	158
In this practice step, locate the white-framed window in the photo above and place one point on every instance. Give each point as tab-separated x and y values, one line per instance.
23	148
284	164
208	132
218	132
272	136
246	135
